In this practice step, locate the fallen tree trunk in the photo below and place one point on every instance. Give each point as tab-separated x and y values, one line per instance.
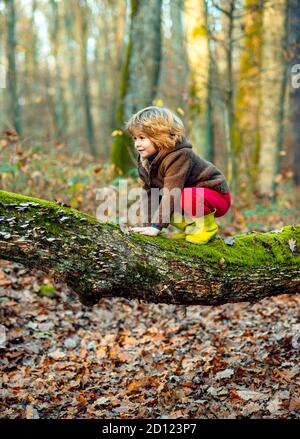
100	260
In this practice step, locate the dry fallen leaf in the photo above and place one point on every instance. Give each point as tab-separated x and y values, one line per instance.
274	406
295	404
286	375
81	400
224	374
101	351
293	245
31	412
57	354
101	401
251	408
138	385
246	395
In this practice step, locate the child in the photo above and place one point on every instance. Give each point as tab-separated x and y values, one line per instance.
166	161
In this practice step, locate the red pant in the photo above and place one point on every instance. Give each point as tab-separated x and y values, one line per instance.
204	200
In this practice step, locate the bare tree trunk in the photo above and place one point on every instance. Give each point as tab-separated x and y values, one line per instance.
209	129
232	169
197	38
100	260
294	93
282	102
89	124
59	110
13	106
140	73
108	58
272	94
72	101
247	139
173	83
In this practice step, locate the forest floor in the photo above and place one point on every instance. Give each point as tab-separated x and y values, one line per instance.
135	360
130	359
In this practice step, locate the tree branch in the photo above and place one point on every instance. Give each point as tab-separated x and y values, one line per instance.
99	260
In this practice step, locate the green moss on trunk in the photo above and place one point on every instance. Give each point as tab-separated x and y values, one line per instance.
99	260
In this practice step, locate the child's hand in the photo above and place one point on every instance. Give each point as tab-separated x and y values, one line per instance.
150	231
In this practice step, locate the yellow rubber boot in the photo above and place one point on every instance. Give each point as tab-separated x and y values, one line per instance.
178	221
203	230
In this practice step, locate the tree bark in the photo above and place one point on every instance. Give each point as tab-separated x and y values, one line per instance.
103	260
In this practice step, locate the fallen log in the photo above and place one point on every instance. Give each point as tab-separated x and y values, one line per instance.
101	260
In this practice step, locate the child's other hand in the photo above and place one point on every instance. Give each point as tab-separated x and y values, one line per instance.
150	231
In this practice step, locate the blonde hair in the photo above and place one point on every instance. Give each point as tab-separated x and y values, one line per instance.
161	125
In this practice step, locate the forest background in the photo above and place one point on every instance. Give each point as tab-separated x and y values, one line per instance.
71	73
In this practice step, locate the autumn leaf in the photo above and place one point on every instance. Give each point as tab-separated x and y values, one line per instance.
31	412
101	351
251	395
57	354
116	133
137	385
81	400
101	401
295	404
293	245
224	374
158	102
117	355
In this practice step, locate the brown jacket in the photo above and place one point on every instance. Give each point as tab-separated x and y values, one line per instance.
176	167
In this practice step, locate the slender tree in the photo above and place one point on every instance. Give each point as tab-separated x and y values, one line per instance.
173	85
282	100
209	129
2	68
13	106
140	73
247	138
82	17
102	65
294	90
34	49
229	114
74	122
197	37
30	71
110	24
272	93
59	104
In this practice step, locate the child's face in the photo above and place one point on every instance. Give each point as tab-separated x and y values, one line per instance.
144	146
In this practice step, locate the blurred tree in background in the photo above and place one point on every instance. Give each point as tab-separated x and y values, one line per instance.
140	73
